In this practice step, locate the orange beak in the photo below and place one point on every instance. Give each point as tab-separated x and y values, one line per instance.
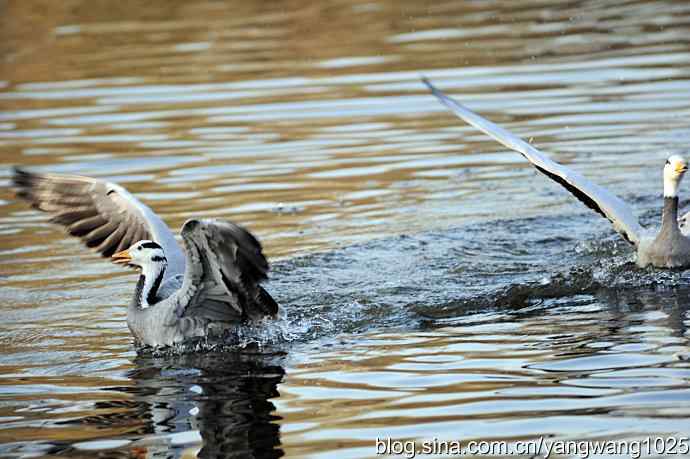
122	258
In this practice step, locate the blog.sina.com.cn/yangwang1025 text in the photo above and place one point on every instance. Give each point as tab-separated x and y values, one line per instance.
538	447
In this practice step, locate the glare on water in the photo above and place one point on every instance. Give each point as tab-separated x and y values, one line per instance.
433	285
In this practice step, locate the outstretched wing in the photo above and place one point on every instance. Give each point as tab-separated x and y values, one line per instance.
103	214
224	268
592	195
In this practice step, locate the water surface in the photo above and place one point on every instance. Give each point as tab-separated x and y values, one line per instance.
432	283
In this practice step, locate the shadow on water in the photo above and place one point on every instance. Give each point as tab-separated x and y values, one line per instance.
217	402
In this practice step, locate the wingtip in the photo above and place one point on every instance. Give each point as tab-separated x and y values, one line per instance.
22	181
18	172
267	303
440	95
190	225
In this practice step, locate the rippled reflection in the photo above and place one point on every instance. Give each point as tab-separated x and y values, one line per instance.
212	405
567	369
432	283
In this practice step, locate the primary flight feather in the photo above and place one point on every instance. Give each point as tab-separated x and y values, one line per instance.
669	247
201	289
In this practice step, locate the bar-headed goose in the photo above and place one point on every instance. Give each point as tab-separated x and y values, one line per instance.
668	247
203	290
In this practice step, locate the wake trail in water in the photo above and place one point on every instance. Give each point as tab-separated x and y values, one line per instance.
406	280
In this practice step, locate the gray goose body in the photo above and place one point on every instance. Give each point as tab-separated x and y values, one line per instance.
668	247
205	288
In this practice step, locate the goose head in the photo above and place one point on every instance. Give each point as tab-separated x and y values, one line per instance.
142	255
674	170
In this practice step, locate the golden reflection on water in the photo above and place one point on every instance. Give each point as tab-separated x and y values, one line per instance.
307	122
460	383
195	108
488	378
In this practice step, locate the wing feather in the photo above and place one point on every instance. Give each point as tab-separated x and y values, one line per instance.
66	217
224	268
128	236
103	214
594	196
84	226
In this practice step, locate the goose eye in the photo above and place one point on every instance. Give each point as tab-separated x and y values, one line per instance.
139	248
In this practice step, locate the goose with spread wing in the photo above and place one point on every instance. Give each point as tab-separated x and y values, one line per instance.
204	290
669	247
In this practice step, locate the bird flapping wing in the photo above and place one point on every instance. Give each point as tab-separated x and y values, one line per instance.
224	268
592	195
104	215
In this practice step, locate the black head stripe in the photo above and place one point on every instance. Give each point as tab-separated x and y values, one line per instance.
157	258
151	245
